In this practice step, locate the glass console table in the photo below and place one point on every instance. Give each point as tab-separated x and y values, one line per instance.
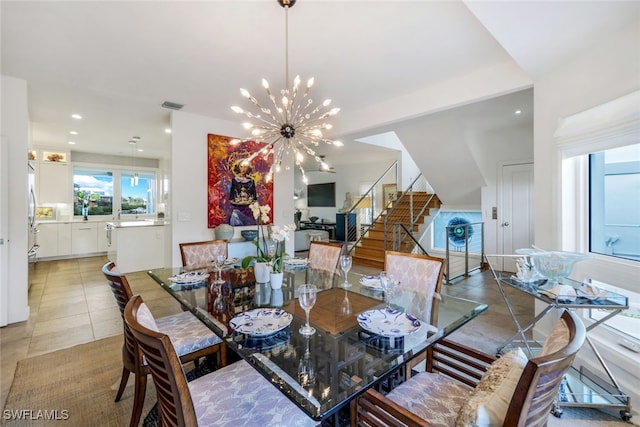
581	387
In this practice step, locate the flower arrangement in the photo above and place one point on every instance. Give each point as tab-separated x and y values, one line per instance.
261	215
279	234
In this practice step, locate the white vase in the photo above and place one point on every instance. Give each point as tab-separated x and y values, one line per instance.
276	280
261	271
277	298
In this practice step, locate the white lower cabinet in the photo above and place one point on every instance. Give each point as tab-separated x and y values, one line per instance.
64	238
84	238
47	239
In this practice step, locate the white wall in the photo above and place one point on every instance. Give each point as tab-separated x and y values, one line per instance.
15	131
608	70
188	186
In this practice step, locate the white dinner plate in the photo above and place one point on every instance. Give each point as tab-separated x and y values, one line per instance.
372	282
231	261
296	261
388	323
189	277
261	321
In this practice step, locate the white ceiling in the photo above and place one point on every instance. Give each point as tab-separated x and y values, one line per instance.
115	62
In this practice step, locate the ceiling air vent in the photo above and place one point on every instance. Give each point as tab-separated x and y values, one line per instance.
172	105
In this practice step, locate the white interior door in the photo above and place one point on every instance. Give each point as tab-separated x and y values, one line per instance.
515	212
4	222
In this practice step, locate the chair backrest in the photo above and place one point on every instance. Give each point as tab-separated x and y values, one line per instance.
174	399
421	273
324	255
538	385
119	284
199	254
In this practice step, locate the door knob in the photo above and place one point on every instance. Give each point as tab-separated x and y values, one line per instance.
505	224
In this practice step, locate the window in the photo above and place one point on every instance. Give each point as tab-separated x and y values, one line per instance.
105	192
614	199
137	193
92	192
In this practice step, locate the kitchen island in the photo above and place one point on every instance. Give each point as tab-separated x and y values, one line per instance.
137	245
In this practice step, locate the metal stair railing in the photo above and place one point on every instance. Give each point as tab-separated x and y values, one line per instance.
467	238
420	184
369	195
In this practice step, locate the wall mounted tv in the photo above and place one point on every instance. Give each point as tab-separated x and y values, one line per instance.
321	195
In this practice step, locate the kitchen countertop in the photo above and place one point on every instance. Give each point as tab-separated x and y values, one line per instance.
139	223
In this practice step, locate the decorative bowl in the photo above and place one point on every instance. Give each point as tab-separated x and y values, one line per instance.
556	265
249	234
313	218
223	232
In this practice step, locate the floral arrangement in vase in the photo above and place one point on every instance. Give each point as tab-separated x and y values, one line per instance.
261	215
279	234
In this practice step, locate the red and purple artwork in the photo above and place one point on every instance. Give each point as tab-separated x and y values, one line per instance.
232	185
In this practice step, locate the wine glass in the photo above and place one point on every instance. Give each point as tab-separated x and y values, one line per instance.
388	284
306	368
307	299
345	266
218	262
345	307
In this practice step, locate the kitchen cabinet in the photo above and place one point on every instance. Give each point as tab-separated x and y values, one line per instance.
54	183
84	238
103	244
47	238
64	238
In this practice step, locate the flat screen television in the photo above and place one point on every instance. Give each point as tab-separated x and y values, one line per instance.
321	195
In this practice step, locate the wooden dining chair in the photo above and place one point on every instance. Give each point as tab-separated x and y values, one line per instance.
200	254
422	274
465	387
192	338
234	395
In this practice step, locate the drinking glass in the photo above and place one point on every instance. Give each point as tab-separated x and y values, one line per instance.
388	284
345	266
306	368
218	261
345	307
307	299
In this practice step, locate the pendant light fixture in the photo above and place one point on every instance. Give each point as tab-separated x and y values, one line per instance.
294	119
133	142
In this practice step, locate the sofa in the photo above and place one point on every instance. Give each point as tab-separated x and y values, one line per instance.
301	238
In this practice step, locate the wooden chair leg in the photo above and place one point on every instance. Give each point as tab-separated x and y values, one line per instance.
138	400
123	383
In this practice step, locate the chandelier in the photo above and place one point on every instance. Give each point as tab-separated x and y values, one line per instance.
293	119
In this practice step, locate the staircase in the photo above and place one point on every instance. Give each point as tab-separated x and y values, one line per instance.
370	250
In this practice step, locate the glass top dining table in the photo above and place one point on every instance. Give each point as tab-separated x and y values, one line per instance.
323	372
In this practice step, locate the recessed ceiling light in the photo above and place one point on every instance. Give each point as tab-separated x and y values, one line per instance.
167	130
76	116
72	143
73	132
518	111
140	150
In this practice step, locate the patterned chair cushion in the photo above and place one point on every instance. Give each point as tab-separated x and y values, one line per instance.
198	256
419	274
433	397
324	257
146	319
557	339
238	395
187	333
488	403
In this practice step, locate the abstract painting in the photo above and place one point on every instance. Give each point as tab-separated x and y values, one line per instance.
233	186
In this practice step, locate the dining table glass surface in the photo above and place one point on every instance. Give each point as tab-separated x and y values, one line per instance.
357	342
